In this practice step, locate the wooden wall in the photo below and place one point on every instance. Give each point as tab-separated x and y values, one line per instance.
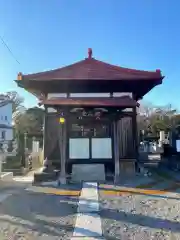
127	144
127	139
51	145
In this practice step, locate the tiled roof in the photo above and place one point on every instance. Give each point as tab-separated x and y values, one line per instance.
4	102
92	69
5	126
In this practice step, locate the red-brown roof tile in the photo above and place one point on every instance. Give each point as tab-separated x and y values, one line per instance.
100	102
93	69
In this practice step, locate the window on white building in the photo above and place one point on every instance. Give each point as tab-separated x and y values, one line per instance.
5	118
3	135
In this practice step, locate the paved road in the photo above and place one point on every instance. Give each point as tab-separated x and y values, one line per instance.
33	214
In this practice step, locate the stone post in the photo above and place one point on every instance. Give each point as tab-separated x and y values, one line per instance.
1	160
25	140
161	138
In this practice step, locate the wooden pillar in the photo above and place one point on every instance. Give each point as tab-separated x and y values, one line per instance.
116	151
47	164
135	135
44	133
62	149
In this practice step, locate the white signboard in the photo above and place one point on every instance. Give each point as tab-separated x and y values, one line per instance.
78	148
56	95
178	145
89	95
101	148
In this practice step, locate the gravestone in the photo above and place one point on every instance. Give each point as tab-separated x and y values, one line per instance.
88	172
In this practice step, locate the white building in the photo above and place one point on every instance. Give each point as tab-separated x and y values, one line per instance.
6	129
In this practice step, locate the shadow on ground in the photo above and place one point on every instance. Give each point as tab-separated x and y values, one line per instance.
39	213
142	220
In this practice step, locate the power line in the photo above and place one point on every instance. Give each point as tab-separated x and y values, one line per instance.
10	51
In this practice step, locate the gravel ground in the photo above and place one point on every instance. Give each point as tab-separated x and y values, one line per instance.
140	217
34	216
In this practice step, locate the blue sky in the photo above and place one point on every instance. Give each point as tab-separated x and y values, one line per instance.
44	34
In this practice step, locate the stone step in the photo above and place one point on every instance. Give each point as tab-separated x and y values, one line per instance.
45	177
88	172
88	226
88	200
88	222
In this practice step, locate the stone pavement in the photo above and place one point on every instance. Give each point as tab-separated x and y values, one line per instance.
88	222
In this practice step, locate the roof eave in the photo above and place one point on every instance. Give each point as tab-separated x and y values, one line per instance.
147	78
101	102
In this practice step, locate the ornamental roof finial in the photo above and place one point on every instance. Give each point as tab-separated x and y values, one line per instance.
19	76
89	53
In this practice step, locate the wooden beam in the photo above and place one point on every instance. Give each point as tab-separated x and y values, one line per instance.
135	133
62	147
116	151
44	134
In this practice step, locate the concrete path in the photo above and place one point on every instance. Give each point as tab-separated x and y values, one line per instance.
88	222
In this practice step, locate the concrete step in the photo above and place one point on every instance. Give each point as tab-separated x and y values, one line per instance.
45	177
88	172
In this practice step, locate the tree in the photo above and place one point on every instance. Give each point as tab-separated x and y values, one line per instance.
17	103
25	120
153	119
144	116
31	121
